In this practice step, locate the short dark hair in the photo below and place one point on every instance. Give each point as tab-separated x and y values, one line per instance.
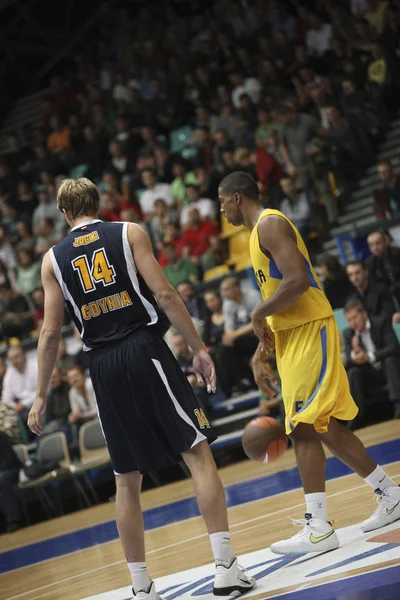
354	263
242	183
354	305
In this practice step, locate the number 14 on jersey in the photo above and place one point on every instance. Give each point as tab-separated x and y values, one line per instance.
99	271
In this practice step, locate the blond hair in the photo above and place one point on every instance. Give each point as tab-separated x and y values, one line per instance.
78	197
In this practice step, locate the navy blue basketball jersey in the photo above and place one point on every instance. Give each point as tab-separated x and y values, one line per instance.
104	292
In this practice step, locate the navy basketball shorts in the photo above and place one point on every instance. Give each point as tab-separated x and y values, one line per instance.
147	408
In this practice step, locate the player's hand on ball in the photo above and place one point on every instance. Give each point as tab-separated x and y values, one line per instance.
205	370
35	415
262	372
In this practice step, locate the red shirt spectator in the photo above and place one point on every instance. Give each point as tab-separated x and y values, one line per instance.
197	237
171	237
113	207
269	171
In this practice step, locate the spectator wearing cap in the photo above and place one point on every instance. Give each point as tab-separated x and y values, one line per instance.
372	356
375	297
387	198
154	191
384	263
205	206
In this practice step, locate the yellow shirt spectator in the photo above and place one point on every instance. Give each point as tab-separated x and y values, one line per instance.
377	71
376	15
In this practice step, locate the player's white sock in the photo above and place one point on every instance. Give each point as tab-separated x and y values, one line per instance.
317	505
378	479
140	578
221	548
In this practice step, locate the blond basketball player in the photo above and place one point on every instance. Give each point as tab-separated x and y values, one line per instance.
296	318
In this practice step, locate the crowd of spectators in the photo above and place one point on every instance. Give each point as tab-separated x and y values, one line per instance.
297	94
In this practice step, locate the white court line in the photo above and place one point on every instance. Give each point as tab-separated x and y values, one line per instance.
192	539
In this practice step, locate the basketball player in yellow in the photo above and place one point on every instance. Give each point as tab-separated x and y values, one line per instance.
296	319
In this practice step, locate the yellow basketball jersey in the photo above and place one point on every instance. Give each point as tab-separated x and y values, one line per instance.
311	305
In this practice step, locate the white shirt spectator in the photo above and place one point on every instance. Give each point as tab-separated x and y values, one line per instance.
148	199
298	210
121	92
7	256
20	386
205	207
251	87
366	340
319	40
78	403
238	314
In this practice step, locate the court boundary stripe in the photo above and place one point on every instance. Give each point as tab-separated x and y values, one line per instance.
311	584
192	539
338	470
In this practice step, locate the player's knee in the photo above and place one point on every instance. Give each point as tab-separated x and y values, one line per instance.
199	457
303	432
129	481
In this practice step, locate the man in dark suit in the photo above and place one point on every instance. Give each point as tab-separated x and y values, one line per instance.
372	356
375	297
384	263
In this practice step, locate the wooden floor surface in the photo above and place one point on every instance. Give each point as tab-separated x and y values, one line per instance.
180	546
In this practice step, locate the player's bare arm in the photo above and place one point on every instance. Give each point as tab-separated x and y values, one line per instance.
49	339
170	302
277	240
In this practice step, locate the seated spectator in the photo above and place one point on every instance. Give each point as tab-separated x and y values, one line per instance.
119	162
197	241
237	309
58	406
195	304
38	313
241	85
184	356
372	356
318	37
153	192
92	152
384	263
46	237
7	254
59	140
375	14
375	297
171	236
64	360
182	178
377	72
297	205
26	240
10	422
233	372
28	272
298	131
335	282
9	473
7	278
26	201
112	207
19	384
16	314
159	222
48	210
387	199
178	269
205	206
81	399
222	144
265	128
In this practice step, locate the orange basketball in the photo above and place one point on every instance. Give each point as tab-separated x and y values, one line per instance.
264	439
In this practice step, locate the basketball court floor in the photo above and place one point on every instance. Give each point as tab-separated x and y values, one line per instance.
78	556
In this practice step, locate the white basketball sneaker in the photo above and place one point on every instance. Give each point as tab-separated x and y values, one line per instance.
232	581
388	510
151	594
316	536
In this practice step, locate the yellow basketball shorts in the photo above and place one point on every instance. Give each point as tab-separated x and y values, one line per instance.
314	382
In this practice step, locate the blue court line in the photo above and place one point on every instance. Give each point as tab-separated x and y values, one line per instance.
238	493
382	584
